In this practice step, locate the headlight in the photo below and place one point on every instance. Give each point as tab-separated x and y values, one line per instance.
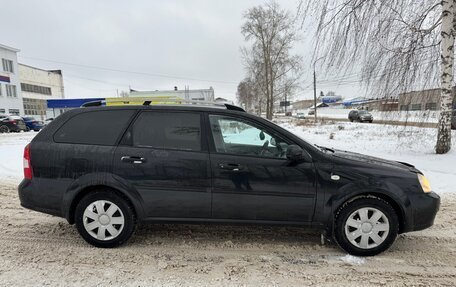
425	185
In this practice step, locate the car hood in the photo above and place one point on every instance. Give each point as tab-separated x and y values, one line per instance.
373	160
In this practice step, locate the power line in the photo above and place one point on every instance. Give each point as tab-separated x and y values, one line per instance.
128	72
97	81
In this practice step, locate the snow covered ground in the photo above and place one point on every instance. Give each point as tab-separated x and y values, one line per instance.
11	153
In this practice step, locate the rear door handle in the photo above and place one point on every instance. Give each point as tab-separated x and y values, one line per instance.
230	166
132	159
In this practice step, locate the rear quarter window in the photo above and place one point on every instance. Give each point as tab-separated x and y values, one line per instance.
94	127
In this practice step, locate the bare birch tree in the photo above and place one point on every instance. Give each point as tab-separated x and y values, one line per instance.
396	44
271	67
446	76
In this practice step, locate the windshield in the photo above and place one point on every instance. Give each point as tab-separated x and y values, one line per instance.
363	112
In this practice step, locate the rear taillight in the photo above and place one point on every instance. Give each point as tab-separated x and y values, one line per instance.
28	174
13	122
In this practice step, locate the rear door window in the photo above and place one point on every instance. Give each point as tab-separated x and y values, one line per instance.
167	130
94	127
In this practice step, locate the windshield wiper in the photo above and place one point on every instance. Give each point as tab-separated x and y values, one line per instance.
325	148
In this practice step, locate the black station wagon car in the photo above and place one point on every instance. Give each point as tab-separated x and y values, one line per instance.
106	168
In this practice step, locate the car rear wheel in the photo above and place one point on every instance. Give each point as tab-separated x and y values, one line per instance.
366	226
105	219
4	129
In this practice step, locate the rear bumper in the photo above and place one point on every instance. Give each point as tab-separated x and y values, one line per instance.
30	198
36	127
17	128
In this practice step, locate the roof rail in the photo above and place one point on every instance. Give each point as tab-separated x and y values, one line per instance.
92	104
234	108
157	101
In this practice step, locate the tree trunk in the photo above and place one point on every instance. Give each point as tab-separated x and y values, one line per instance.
271	94
446	81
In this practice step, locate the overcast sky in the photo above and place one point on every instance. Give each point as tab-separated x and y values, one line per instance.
106	46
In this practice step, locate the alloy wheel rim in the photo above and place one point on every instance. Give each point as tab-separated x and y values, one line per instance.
367	228
103	220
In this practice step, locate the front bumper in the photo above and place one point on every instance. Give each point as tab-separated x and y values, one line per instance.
425	207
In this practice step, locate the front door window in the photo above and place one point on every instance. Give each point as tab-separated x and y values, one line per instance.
240	137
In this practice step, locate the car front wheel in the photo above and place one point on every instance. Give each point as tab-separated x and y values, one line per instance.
366	226
105	219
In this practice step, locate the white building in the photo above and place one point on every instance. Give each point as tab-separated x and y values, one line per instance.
37	86
187	94
10	90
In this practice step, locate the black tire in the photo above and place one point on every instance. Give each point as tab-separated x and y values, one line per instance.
349	208
351	120
127	212
4	129
370	121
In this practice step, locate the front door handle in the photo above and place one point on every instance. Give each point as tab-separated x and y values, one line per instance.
230	166
132	159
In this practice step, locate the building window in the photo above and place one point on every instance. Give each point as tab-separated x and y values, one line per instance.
7	65
11	91
416	107
2	111
36	89
34	106
431	106
13	111
404	107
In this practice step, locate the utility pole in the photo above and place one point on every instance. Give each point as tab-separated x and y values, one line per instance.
315	88
315	95
285	102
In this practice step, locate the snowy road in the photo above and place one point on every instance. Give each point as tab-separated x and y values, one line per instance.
37	249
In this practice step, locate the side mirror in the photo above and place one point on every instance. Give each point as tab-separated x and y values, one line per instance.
296	153
273	142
